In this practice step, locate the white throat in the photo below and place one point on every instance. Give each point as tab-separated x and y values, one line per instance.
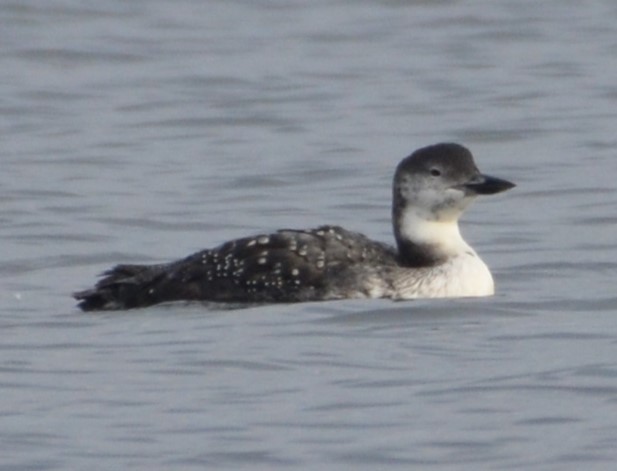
462	272
443	236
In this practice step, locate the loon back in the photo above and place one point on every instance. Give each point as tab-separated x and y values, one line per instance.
286	266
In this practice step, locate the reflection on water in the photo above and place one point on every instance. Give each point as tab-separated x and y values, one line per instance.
141	133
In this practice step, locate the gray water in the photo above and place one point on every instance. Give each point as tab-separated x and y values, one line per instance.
143	131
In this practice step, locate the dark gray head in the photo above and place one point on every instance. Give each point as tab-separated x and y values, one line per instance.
432	187
441	180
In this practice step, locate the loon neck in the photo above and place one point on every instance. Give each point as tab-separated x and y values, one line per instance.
423	242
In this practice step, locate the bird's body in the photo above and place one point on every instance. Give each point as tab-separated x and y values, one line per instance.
431	189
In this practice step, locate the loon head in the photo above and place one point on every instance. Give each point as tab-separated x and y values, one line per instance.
431	190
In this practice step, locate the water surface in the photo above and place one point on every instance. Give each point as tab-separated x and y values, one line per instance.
142	131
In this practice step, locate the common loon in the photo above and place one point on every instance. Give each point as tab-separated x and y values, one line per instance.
431	189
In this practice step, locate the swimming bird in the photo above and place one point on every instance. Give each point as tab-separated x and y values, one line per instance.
431	189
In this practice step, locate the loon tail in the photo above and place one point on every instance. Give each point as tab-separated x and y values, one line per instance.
125	287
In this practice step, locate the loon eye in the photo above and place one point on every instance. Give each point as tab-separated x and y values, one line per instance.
435	172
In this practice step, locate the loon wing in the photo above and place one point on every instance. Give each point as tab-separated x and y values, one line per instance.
288	265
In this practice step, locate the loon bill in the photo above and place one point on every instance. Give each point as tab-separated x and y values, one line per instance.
431	189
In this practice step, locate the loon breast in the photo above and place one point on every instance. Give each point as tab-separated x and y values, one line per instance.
464	275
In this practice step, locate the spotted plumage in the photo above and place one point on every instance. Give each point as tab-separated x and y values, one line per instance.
431	189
